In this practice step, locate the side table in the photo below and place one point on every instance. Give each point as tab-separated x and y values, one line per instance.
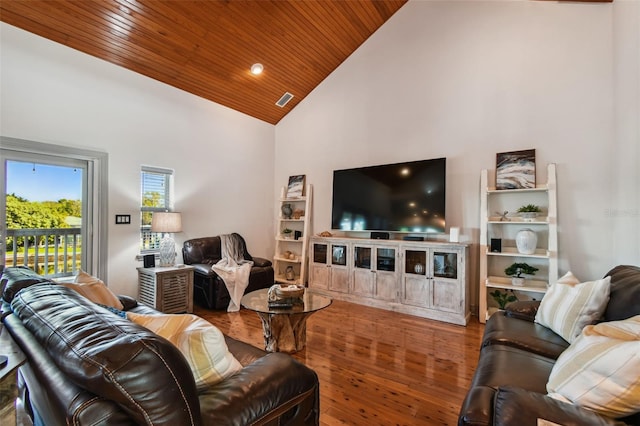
167	289
8	380
285	330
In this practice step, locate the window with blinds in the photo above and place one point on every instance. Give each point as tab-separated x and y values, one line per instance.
155	197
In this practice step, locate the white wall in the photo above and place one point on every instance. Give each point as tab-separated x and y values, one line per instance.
463	79
623	215
223	160
468	79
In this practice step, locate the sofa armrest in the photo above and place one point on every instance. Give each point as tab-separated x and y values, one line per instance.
525	310
517	406
261	262
477	407
262	391
511	405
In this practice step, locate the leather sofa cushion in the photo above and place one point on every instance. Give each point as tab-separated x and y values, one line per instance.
501	365
110	356
501	329
624	298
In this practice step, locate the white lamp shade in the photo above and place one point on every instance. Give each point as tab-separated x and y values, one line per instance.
166	222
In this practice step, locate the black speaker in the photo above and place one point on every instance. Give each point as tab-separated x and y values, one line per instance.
379	235
496	245
297	235
149	260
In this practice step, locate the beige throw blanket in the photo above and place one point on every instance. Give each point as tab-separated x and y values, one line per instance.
233	269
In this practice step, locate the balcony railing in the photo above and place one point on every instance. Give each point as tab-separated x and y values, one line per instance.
53	252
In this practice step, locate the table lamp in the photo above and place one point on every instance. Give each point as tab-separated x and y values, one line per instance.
167	223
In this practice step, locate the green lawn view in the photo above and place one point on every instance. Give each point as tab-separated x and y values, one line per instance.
30	218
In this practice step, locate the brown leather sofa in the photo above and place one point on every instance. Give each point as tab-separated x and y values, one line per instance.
208	288
516	358
87	366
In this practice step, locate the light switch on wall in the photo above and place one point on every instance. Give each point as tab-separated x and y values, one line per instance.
123	219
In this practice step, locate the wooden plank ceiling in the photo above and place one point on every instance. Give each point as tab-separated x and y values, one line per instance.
207	47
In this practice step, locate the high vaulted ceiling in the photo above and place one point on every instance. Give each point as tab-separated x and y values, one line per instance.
207	47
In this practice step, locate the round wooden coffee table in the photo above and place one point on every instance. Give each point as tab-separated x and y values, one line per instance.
285	329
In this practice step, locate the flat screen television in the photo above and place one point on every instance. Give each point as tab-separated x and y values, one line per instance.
403	197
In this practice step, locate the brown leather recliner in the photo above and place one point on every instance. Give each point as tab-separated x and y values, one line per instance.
209	290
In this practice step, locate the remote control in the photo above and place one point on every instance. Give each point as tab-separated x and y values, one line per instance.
276	304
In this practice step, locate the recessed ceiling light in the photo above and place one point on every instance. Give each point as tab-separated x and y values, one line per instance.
257	69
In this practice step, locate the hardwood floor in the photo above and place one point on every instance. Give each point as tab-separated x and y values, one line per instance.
377	367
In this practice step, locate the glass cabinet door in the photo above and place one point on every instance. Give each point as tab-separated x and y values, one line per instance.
339	255
415	262
445	265
362	257
386	259
320	253
362	278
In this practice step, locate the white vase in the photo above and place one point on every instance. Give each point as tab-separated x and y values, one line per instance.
526	241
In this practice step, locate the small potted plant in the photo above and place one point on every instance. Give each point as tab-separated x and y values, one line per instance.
287	233
503	298
529	211
517	269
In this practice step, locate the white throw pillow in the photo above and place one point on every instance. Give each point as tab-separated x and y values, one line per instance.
201	343
569	306
601	369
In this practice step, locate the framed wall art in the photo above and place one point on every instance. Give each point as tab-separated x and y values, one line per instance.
516	169
295	189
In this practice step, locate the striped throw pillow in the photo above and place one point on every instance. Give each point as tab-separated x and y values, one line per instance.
94	289
601	369
568	306
201	343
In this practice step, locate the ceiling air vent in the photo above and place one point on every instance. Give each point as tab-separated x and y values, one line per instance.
284	99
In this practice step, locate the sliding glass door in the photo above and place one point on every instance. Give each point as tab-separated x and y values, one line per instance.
48	211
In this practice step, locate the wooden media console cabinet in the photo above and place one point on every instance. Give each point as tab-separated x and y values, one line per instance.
426	279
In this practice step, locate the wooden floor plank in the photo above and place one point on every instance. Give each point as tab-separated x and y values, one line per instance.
375	366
